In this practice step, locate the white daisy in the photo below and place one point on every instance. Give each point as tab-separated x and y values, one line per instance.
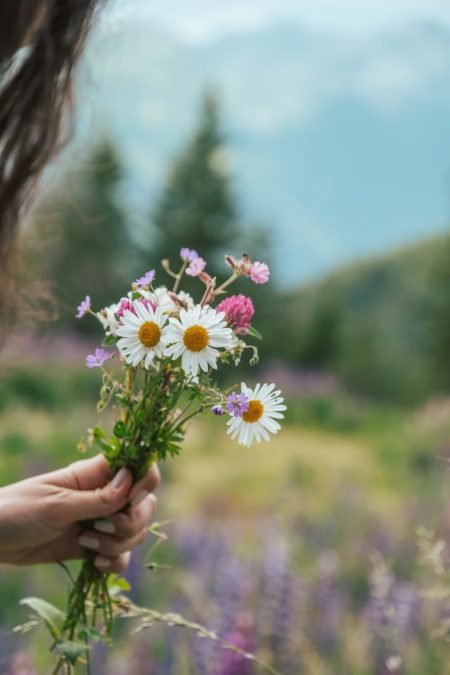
264	406
196	336
142	334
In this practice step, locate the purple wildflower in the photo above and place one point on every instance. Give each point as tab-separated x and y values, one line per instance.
98	359
196	267
237	404
188	255
217	410
83	307
147	279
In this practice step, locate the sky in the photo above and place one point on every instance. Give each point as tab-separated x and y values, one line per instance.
337	114
203	20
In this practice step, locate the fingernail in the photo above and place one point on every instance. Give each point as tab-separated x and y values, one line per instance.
102	562
105	526
89	542
119	478
139	497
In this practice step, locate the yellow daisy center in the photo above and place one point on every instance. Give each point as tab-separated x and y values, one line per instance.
195	338
254	412
149	334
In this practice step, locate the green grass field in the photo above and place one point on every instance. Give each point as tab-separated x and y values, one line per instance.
326	487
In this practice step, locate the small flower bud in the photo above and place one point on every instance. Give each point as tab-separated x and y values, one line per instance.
165	264
205	277
231	262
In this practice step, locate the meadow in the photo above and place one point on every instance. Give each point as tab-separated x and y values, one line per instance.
304	550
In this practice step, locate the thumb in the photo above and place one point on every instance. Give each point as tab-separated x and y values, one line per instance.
100	501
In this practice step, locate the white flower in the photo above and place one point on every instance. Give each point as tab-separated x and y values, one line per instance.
142	334
264	406
196	336
185	298
164	299
108	318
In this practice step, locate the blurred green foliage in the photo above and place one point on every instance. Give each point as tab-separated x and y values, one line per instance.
89	249
49	389
382	326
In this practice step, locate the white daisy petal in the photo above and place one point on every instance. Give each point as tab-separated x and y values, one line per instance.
196	336
142	334
258	421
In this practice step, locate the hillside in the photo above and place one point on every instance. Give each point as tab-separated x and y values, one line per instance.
381	324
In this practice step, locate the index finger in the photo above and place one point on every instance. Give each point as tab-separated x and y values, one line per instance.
145	485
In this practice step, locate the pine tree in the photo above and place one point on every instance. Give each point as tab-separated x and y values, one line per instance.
196	208
93	253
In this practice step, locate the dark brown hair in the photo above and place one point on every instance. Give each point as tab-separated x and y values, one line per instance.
35	92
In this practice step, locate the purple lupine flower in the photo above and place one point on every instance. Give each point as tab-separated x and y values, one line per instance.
237	404
196	267
234	663
218	410
188	254
283	599
20	664
146	280
98	359
83	307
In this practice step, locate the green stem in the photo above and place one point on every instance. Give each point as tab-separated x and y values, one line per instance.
55	671
172	430
226	283
178	277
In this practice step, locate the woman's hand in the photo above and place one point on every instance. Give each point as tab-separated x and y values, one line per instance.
40	518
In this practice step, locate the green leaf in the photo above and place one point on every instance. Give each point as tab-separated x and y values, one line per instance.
110	340
71	651
98	433
254	333
157	566
88	633
120	429
120	582
51	615
139	417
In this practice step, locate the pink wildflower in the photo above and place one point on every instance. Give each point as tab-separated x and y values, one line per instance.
239	312
126	305
259	273
196	267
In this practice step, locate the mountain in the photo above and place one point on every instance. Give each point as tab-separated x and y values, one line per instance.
340	145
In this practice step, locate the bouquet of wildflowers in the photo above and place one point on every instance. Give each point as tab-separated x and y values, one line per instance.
168	347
